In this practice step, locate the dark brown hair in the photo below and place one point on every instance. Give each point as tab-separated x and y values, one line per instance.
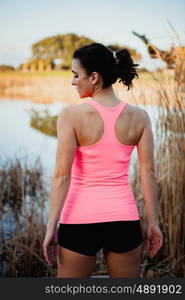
98	58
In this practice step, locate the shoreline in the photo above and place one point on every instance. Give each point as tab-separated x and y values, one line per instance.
51	88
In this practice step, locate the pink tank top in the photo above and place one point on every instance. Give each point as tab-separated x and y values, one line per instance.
99	189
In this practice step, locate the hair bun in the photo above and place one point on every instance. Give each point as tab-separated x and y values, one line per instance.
125	52
126	71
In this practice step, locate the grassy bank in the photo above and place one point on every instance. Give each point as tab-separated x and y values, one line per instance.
35	74
47	87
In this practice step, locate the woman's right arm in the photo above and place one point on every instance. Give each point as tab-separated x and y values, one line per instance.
145	150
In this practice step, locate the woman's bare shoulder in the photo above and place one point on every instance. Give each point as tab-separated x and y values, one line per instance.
73	112
74	108
67	113
77	111
138	113
69	109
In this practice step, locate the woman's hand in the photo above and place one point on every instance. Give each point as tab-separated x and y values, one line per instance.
50	247
154	239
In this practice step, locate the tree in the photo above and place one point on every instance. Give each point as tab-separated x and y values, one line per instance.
62	47
4	68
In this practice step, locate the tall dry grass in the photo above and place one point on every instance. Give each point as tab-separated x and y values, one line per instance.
23	199
170	174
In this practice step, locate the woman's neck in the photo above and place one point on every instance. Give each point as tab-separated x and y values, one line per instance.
105	96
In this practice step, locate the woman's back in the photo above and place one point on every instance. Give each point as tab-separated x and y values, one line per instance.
89	126
100	189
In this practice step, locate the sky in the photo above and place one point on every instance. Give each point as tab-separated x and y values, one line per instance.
25	22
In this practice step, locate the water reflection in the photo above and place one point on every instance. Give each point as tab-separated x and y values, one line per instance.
18	139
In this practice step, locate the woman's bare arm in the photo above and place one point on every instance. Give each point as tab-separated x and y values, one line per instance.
65	153
145	149
66	148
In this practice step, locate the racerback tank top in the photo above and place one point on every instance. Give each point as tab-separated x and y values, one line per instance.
99	189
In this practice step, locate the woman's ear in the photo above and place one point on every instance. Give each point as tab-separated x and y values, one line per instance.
95	77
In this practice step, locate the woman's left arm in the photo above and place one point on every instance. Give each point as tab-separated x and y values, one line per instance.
66	148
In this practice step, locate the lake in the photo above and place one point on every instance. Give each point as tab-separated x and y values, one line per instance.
19	139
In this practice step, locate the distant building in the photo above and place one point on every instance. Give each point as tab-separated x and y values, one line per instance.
37	65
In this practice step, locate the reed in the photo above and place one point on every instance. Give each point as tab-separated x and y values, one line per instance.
170	174
23	199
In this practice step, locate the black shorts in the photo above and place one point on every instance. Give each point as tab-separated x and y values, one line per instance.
89	238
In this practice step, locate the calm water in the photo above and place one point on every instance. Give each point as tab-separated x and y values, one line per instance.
18	139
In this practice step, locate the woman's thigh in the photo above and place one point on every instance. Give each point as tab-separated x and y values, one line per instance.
123	248
124	265
78	245
73	264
